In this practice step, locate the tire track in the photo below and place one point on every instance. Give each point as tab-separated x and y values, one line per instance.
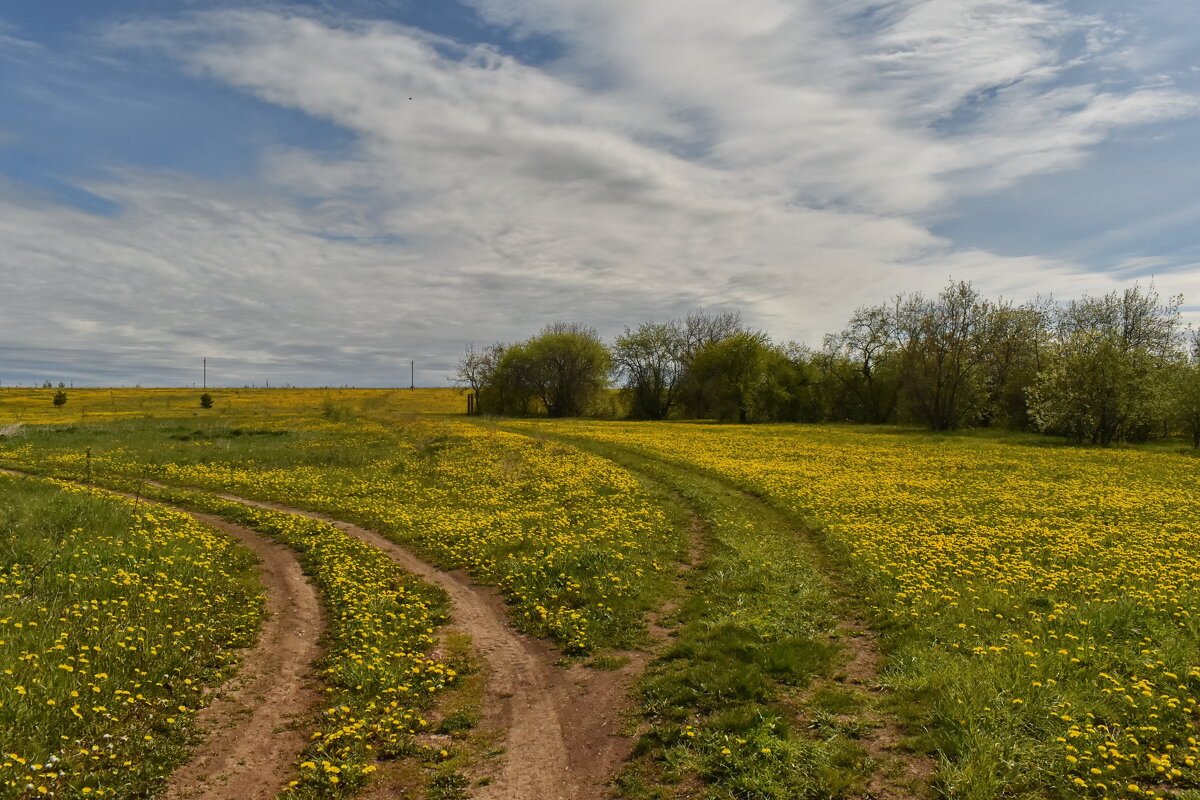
560	727
897	772
251	744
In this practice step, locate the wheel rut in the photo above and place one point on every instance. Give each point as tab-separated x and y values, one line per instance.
250	741
560	728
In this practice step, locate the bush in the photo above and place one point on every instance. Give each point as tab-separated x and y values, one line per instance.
60	398
206	400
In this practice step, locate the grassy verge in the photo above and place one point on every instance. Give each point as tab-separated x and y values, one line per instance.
114	617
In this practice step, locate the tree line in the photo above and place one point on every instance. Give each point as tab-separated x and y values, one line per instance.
1118	367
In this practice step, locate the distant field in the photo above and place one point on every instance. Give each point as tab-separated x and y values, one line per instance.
863	611
36	406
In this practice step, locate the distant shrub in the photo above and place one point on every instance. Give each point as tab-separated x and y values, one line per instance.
206	400
60	398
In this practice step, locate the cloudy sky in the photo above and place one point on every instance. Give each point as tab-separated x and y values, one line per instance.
315	193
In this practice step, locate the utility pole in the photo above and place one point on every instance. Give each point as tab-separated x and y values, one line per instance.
412	374
206	373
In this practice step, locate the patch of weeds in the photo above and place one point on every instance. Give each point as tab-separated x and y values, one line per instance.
607	663
833	700
448	785
459	721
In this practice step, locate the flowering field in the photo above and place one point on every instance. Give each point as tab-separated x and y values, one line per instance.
571	539
1038	603
1041	602
113	619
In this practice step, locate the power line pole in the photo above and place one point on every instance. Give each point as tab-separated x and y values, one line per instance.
412	374
206	373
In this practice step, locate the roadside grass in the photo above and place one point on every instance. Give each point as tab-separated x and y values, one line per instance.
115	617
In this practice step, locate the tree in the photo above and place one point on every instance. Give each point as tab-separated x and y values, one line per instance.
1110	371
571	365
477	369
727	375
789	388
560	371
863	361
650	361
944	342
60	398
1014	356
206	400
702	330
514	386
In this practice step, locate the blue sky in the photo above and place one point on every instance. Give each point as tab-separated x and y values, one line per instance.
313	193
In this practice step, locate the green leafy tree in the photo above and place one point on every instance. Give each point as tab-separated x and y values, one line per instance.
790	387
726	377
571	366
944	345
1015	354
650	361
702	331
560	371
514	386
1111	368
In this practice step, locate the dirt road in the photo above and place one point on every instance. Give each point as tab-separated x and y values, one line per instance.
559	727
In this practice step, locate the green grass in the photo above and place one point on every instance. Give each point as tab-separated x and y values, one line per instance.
726	703
114	618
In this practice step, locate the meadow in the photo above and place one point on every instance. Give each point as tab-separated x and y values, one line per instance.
1035	604
115	617
1039	602
570	538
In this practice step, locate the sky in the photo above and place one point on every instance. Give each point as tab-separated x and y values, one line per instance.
318	193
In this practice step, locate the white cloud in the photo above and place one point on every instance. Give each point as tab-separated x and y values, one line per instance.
780	157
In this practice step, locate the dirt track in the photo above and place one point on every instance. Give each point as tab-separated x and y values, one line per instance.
249	750
559	727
